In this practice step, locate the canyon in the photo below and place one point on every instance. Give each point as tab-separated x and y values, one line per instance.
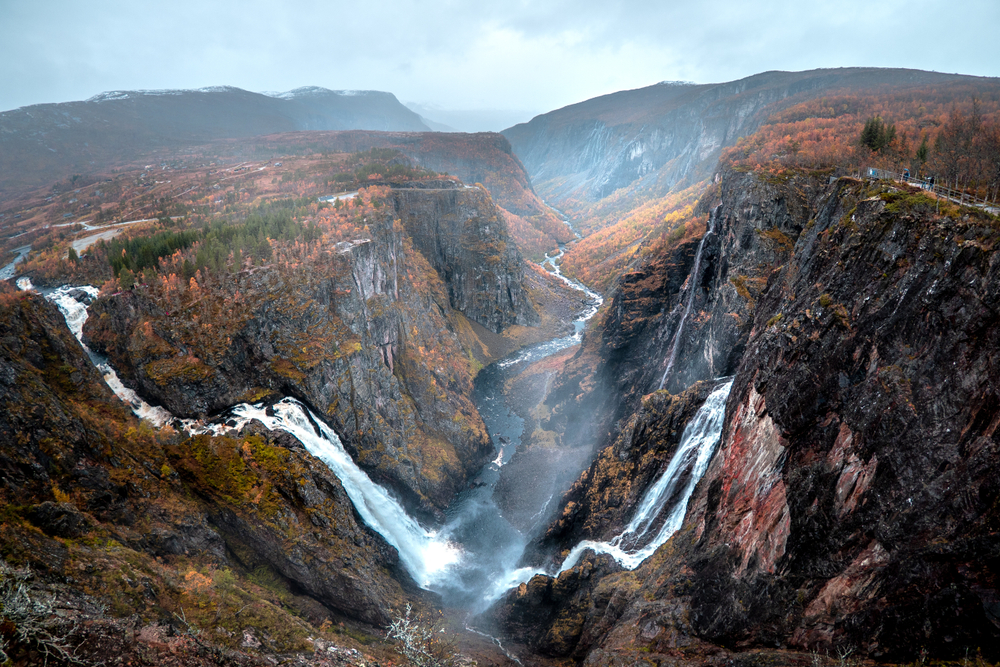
773	440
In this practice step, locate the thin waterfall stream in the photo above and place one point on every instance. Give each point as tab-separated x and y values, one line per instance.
693	289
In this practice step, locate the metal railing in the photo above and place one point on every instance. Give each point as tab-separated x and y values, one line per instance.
957	196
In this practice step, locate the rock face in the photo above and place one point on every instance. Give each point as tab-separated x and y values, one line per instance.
462	234
44	375
858	473
852	501
625	357
376	338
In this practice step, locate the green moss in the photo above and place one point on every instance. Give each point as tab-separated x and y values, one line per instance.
774	320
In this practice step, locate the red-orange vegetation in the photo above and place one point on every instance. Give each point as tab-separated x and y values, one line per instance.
600	258
825	132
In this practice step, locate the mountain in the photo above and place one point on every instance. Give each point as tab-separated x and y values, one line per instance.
776	442
674	132
46	142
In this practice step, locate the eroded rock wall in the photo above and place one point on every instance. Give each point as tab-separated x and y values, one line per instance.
464	237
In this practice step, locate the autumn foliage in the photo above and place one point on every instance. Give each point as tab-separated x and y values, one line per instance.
949	132
600	258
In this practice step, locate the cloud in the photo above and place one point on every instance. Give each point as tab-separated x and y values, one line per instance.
463	55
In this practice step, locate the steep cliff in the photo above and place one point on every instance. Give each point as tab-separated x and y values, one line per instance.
867	406
663	305
463	235
851	504
367	332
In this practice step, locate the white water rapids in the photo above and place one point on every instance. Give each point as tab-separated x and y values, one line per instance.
426	556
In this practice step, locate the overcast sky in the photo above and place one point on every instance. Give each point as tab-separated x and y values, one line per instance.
528	56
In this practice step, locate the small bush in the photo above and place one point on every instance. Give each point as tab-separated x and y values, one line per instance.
418	642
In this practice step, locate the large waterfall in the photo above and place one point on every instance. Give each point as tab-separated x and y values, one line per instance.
640	539
426	556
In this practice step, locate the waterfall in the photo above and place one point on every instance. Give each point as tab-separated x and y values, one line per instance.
426	556
639	539
693	290
75	314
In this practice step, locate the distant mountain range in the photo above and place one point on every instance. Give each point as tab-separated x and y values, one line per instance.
675	131
45	142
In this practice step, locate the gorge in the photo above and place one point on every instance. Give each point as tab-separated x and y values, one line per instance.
772	440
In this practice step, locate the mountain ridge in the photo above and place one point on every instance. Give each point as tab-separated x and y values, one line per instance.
45	142
585	151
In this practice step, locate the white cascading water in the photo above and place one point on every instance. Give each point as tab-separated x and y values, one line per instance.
426	556
75	314
637	542
433	559
687	310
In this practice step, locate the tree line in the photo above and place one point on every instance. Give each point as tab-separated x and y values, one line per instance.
218	246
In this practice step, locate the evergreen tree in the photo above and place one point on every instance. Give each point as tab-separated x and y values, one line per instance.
877	135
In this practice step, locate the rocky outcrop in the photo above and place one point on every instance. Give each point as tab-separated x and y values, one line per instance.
464	237
48	387
852	502
548	616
